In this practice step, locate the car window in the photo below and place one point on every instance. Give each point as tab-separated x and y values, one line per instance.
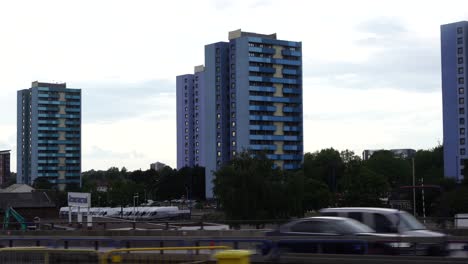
356	216
383	224
329	214
314	227
351	226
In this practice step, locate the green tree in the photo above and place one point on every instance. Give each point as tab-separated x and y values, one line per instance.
363	187
324	166
250	188
395	169
43	183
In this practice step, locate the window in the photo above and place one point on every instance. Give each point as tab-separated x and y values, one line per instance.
462	141
383	225
460	50
459	30
185	80
233	133
196	143
217	69
218	125
461	90
460	70
233	143
234	153
233	114
461	100
461	80
462	121
461	111
459	40
233	124
218	116
219	154
186	123
313	227
462	131
356	216
462	151
218	144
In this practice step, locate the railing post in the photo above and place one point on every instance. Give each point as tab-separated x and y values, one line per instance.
197	251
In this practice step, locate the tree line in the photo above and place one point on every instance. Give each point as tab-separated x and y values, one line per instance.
251	187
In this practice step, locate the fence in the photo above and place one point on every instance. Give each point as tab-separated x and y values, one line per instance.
43	255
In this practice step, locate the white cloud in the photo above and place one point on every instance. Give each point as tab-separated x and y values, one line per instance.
375	62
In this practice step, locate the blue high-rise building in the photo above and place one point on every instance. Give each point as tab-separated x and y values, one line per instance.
454	39
49	134
248	96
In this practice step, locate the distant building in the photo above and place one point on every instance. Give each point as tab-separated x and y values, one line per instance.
454	45
18	188
157	166
29	204
247	96
402	153
49	134
4	166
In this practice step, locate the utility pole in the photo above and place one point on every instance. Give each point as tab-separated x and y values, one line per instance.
423	202
414	190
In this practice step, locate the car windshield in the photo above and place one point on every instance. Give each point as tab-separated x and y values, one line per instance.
351	226
409	222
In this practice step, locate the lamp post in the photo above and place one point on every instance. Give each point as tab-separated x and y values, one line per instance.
414	190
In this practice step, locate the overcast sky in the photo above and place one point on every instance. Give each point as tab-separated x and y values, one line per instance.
371	68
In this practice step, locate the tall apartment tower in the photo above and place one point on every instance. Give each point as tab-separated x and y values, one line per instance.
454	39
49	134
247	96
4	166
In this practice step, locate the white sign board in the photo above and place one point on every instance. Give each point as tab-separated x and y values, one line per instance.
79	199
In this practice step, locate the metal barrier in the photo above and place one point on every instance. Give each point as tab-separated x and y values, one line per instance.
42	255
155	255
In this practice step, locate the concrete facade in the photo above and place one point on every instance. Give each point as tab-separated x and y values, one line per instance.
248	96
49	134
5	172
454	45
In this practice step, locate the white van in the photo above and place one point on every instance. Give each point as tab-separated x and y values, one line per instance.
384	220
